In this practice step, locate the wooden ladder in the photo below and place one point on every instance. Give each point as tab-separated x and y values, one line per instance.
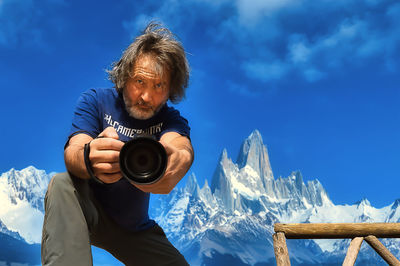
370	232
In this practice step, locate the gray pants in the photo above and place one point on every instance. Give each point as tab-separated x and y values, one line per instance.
74	221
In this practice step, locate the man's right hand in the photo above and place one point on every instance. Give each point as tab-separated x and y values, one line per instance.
104	155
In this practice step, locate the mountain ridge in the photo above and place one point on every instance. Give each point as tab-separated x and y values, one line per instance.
228	222
21	194
234	220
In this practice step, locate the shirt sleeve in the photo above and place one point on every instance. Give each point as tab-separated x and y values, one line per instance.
176	123
86	115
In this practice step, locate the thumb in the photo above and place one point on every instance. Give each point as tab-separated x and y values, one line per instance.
109	132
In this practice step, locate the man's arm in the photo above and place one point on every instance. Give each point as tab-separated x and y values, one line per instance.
104	156
180	158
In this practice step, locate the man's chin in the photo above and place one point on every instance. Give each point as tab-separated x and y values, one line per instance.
141	114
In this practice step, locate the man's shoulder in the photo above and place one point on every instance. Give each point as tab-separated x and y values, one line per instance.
168	108
99	95
168	111
172	114
102	92
174	121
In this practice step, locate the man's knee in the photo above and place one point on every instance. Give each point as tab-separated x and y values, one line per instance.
65	236
59	184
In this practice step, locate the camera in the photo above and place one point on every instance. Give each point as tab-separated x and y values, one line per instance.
143	160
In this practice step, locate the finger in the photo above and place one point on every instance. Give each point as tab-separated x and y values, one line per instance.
104	156
109	132
106	168
106	144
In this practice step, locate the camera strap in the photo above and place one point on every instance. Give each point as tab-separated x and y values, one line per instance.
89	169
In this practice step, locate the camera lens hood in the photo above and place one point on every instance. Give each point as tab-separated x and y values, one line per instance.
143	160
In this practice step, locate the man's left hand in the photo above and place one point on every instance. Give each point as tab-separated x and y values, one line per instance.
180	157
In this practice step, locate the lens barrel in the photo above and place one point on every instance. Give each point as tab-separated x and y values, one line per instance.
143	160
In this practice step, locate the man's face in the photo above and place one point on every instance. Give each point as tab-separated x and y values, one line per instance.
147	90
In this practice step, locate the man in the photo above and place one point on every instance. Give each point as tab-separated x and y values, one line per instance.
93	203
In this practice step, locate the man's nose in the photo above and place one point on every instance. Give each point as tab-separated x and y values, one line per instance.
146	97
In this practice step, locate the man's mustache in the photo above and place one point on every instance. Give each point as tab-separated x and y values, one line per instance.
143	104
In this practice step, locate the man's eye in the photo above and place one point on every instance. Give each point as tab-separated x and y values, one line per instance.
159	87
139	81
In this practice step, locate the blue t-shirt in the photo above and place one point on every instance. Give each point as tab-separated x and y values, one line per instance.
98	109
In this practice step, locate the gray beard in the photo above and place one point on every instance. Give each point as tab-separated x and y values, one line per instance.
135	111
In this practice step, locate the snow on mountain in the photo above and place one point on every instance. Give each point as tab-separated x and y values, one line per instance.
21	196
233	219
229	222
4	230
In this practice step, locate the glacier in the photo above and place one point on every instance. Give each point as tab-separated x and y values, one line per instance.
227	221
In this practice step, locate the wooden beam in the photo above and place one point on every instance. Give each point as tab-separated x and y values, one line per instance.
352	251
280	249
382	250
338	230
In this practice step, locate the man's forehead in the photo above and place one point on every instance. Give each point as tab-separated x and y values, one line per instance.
147	64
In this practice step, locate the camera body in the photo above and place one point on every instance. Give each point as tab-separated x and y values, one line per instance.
143	160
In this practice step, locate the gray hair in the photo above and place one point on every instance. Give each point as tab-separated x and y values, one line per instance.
168	52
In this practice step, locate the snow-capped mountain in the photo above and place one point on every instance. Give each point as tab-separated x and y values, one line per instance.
21	218
21	196
229	222
232	221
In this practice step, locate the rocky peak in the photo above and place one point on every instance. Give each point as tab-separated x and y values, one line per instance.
191	183
219	178
192	187
363	202
27	184
254	153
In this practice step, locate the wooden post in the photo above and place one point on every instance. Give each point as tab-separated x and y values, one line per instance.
382	250
352	251
280	249
357	231
338	230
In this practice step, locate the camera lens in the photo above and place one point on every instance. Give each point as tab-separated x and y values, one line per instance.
143	160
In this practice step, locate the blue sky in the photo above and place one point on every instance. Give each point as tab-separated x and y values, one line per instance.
319	79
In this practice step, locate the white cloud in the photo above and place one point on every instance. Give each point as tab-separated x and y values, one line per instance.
370	47
299	52
272	39
266	71
137	25
251	12
240	89
20	21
